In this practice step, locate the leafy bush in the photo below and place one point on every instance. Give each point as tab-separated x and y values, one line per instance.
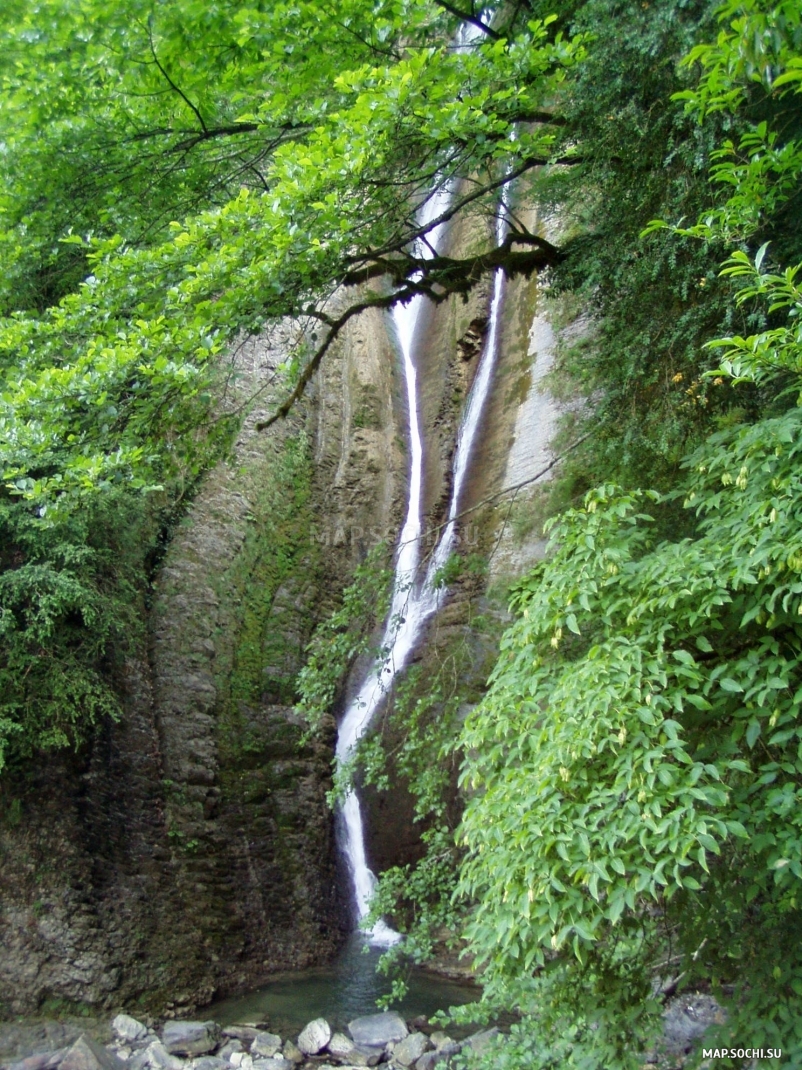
71	601
635	769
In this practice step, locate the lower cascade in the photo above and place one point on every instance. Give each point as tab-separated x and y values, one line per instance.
411	605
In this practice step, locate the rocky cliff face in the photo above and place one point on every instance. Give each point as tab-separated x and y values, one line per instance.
189	850
500	535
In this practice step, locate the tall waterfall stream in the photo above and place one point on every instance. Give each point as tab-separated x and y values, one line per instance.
412	603
350	986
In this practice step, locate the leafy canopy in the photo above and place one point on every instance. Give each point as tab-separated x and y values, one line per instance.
174	177
635	769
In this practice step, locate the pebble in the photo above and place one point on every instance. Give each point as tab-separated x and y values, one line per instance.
186	1045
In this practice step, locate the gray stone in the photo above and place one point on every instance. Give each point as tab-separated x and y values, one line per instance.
266	1044
439	1038
427	1061
291	1053
687	1019
314	1037
362	1055
157	1057
245	1033
340	1046
377	1030
143	1042
87	1054
209	1062
440	1057
453	1047
190	1038
45	1060
229	1048
277	1062
410	1049
139	1060
479	1043
127	1028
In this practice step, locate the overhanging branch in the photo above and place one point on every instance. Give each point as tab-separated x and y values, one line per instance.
467	16
457	206
437	279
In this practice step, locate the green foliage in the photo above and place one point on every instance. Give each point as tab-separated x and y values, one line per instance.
644	717
100	386
636	766
344	636
70	595
457	566
174	177
278	550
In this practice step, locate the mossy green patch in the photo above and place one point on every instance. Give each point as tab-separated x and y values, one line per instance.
271	586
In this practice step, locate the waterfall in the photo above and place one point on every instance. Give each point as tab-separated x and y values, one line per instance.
410	608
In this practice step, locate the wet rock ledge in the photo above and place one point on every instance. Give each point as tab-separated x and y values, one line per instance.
183	1045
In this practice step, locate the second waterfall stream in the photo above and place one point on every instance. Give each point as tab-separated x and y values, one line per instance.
412	602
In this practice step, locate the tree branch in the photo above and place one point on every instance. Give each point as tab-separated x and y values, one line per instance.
200	135
438	279
457	206
171	83
465	16
335	326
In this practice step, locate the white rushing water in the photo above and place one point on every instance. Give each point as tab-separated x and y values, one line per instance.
411	606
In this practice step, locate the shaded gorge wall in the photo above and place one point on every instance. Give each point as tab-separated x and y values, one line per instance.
189	852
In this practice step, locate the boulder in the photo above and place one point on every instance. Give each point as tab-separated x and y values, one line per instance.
378	1030
340	1046
209	1062
427	1061
277	1062
430	1059
265	1045
439	1038
291	1053
245	1033
155	1056
314	1037
45	1060
479	1043
87	1054
687	1019
453	1047
127	1029
230	1047
190	1038
410	1049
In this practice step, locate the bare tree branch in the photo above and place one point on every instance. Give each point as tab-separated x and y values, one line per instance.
457	206
170	82
439	278
466	16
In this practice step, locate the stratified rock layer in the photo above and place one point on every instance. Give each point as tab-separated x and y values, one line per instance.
188	850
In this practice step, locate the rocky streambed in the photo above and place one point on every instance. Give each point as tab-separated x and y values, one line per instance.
191	1045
